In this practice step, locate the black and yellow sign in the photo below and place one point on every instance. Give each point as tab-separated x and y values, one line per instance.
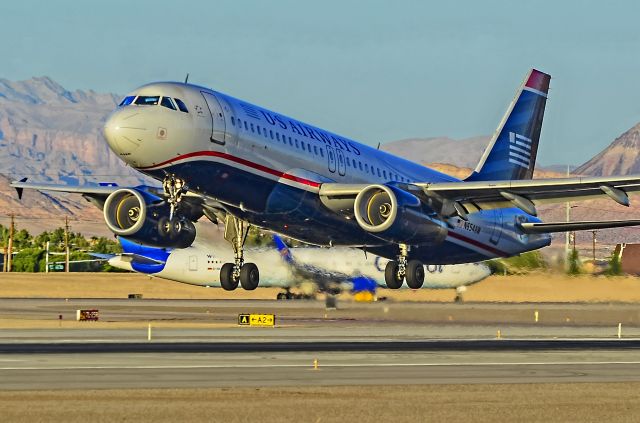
256	319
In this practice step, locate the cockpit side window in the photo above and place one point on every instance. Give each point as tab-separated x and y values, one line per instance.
166	102
127	100
181	105
147	100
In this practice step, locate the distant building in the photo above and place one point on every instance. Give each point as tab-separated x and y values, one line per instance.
629	257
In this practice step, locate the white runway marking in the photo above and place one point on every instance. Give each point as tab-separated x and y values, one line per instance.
264	366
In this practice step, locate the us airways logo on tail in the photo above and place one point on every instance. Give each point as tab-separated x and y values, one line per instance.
519	150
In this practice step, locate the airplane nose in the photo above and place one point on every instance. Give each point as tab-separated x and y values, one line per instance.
124	132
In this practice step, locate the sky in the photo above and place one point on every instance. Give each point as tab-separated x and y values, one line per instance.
374	71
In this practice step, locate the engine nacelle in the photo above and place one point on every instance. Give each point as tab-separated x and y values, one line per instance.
143	218
395	215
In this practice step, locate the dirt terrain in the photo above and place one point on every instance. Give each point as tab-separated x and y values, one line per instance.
540	287
584	402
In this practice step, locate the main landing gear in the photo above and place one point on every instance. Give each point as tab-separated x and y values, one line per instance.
397	270
238	272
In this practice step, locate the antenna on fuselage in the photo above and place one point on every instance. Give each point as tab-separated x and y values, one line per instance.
186	79
378	147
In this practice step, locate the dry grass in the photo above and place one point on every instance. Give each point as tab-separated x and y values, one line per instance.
536	287
581	402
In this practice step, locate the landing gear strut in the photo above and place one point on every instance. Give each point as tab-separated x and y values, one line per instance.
173	189
397	270
247	274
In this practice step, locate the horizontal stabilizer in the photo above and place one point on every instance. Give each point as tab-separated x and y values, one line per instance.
544	228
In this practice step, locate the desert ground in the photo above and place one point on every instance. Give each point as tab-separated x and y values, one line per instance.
534	287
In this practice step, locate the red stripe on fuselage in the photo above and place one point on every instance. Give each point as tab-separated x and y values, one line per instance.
236	160
477	244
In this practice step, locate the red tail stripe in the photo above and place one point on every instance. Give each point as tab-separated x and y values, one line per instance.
477	244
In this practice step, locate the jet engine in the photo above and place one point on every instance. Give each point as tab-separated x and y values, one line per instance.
144	218
396	215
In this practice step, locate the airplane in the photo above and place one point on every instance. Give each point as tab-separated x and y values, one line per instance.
321	270
347	266
236	162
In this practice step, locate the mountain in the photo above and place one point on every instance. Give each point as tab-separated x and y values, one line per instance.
461	153
621	157
51	134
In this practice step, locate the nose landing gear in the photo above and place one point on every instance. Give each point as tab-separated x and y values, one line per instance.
397	270
173	188
239	272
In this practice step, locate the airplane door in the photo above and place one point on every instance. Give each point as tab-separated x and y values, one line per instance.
342	166
331	157
218	125
496	233
193	263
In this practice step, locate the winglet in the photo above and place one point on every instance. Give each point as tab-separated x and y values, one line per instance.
285	253
20	190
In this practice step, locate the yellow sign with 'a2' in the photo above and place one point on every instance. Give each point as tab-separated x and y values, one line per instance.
256	319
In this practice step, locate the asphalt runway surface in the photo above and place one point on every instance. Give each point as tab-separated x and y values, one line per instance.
198	344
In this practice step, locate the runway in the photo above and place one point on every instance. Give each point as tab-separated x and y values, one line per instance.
197	344
182	370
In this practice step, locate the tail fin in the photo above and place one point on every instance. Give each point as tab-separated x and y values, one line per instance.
285	253
511	154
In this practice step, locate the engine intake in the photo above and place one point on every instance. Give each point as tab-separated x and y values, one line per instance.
395	215
140	217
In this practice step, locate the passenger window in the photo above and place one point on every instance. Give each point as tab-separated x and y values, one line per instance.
321	152
258	129
127	100
315	150
181	105
366	167
233	121
271	133
384	172
302	143
278	136
309	147
252	128
297	145
166	102
378	171
246	127
360	165
147	100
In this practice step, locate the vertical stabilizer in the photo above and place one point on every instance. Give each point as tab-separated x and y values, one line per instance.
511	154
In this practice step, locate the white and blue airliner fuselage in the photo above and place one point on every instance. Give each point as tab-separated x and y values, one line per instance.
267	168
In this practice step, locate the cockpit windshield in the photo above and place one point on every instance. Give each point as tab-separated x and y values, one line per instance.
147	100
154	100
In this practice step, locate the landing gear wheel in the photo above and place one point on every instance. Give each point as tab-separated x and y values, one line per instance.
415	274
249	276
281	296
391	275
227	281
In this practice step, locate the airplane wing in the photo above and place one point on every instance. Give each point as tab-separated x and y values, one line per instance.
463	197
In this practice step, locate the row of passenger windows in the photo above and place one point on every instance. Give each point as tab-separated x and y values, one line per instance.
154	100
294	142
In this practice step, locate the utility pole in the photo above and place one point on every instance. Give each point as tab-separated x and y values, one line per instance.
594	246
46	259
66	243
566	234
10	256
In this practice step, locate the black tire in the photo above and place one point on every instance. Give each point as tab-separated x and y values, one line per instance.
391	275
249	276
226	277
281	296
415	274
